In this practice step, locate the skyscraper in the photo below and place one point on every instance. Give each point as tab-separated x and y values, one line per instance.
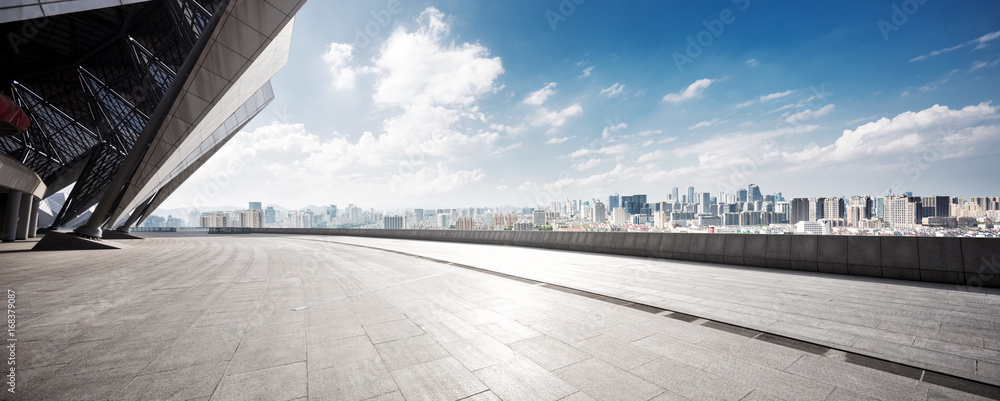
393	222
614	201
741	195
800	210
816	208
902	211
753	193
935	206
675	195
690	194
255	206
633	204
600	212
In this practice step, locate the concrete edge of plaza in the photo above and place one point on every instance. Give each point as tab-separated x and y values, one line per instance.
964	262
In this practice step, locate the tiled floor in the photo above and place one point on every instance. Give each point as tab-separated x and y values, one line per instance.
285	318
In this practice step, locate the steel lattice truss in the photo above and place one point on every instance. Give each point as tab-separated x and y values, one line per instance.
89	81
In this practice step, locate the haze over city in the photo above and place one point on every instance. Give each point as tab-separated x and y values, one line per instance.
457	104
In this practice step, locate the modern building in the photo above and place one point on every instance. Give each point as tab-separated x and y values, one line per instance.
127	99
252	218
600	213
833	208
816	209
270	215
613	202
753	193
214	219
620	216
633	204
465	223
538	217
690	195
812	227
393	222
903	211
674	195
255	206
935	206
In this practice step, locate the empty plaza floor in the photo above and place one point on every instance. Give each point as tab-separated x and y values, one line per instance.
237	317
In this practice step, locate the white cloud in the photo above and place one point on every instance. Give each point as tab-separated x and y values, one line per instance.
980	43
337	57
587	165
506	148
776	95
649	132
424	67
612	130
607	150
746	103
586	72
558	140
539	96
613	90
978	65
652	156
501	187
527	186
939	129
809	114
692	91
708	123
752	62
555	119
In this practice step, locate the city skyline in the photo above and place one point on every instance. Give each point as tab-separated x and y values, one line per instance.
435	104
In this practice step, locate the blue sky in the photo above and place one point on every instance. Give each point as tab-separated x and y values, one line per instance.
461	103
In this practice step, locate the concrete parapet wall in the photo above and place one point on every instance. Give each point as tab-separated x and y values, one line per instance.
972	262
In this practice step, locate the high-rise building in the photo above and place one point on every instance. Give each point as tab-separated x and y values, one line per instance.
741	195
674	195
633	204
393	222
600	212
270	215
255	206
214	219
690	195
902	211
816	206
753	193
614	201
705	205
252	218
465	223
661	220
444	220
331	212
833	208
935	206
620	216
538	217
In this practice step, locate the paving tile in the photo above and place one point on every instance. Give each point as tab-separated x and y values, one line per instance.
857	379
195	354
379	316
177	384
689	381
410	351
479	352
507	330
345	350
357	380
258	355
616	352
602	381
442	379
521	379
548	352
394	330
278	383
